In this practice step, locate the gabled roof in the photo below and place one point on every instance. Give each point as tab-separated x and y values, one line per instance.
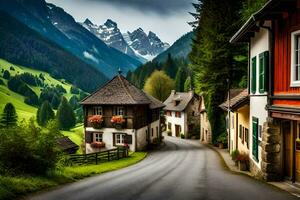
271	10
182	97
119	91
237	100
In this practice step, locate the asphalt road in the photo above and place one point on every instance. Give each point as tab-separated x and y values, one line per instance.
182	170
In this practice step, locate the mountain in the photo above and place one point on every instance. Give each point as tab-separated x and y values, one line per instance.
180	49
137	44
58	26
23	46
147	46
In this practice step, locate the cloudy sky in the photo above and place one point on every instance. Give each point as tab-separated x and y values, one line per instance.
167	18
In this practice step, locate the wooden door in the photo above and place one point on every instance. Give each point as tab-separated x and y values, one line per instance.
297	151
177	130
288	149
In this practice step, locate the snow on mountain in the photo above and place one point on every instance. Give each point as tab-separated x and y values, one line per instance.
136	44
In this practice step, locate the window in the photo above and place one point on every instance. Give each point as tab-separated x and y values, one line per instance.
247	137
119	139
263	67
232	122
243	135
255	138
168	113
295	59
98	137
157	131
240	131
169	125
253	76
152	132
119	110
178	114
98	110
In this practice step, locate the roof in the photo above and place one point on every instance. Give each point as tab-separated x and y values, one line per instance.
183	97
119	91
273	8
237	99
65	143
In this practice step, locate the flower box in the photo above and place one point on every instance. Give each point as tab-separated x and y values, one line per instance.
243	160
118	121
98	145
96	121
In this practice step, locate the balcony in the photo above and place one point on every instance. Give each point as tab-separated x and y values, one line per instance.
128	124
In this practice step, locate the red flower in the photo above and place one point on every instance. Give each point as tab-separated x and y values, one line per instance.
95	119
117	119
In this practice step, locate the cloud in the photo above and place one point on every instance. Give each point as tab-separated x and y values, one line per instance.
90	56
162	7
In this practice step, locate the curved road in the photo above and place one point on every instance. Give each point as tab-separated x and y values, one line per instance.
183	170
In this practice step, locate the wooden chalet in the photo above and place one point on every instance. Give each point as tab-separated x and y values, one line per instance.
119	114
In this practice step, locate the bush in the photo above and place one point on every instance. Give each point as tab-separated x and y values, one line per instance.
182	136
235	154
169	133
222	138
60	89
2	82
28	149
12	68
6	75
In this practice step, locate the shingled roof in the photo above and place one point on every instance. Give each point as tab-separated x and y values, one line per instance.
119	91
66	144
237	99
182	97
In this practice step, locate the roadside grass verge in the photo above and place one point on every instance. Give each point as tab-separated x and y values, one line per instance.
13	187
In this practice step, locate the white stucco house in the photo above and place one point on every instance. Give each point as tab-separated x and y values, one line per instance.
182	113
119	114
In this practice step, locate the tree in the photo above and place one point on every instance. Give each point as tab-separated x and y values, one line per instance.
44	113
65	115
9	116
74	102
170	67
159	85
180	79
187	84
55	101
6	74
213	58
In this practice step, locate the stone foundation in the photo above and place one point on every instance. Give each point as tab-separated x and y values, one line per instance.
271	151
255	171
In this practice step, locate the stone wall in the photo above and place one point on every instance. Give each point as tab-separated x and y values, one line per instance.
255	171
271	151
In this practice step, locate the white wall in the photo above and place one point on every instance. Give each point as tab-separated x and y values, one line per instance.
176	121
155	133
258	102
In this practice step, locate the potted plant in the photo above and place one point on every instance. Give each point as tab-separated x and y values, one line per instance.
182	136
98	145
243	160
118	121
222	140
96	121
234	156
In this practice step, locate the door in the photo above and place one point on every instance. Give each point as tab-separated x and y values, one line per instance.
177	130
288	149
297	153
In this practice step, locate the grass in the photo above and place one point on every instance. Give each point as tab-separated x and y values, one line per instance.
25	111
13	187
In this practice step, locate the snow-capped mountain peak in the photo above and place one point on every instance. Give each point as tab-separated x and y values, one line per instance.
136	44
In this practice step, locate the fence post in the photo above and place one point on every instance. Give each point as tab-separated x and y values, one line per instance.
97	158
118	153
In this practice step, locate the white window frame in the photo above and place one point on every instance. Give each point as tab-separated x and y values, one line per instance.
98	110
98	137
119	138
294	82
120	110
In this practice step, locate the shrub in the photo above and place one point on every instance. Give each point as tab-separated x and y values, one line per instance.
74	90
169	133
2	82
182	135
222	138
235	154
6	75
12	68
34	149
60	89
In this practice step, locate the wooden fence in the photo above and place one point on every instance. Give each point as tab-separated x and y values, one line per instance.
102	156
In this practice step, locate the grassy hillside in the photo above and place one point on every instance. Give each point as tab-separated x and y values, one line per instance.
25	111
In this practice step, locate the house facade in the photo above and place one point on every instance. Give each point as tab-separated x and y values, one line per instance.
238	111
182	113
273	35
205	128
120	114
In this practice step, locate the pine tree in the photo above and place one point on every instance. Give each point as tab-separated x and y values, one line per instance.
6	75
44	113
170	67
55	101
187	84
74	102
65	115
9	116
180	78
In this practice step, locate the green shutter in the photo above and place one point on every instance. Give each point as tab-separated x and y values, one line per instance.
263	66
253	76
255	138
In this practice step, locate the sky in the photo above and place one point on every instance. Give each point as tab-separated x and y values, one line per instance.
167	18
